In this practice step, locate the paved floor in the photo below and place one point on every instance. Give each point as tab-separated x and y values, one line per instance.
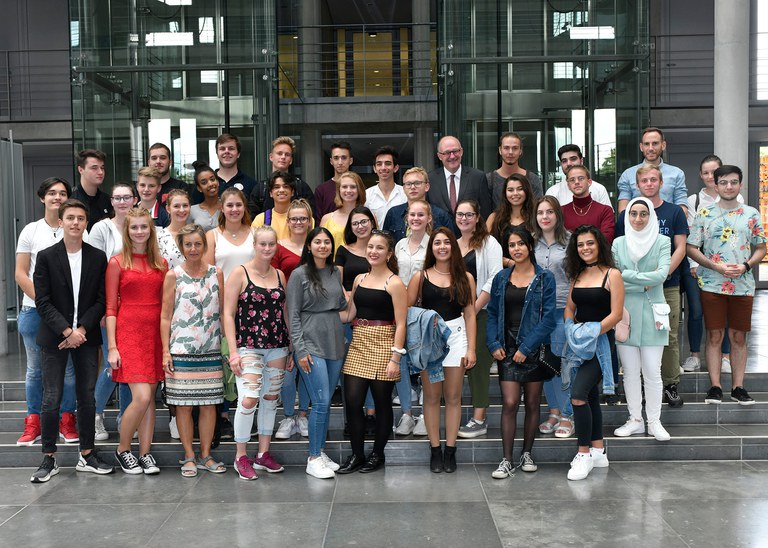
629	504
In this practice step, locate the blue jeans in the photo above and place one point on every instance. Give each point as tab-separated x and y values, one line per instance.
105	385
288	392
403	387
29	324
690	286
321	382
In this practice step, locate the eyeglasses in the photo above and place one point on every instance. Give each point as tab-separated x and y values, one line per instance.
119	199
467	215
361	222
732	182
298	220
449	153
413	184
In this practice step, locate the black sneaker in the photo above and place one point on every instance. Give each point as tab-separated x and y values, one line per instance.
611	399
673	398
93	463
740	395
714	395
227	430
128	462
47	469
149	465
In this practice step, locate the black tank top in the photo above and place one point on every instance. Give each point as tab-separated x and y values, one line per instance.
593	304
259	317
470	261
374	304
439	299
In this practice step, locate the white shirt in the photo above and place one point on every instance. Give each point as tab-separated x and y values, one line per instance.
33	239
410	263
565	196
379	205
456	179
76	267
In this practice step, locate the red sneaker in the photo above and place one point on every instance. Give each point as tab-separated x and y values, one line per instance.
68	429
266	462
31	430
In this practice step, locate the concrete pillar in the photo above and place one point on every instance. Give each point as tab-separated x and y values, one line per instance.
424	147
310	37
421	85
312	157
731	77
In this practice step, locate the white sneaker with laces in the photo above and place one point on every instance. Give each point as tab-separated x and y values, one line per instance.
691	363
303	425
656	430
420	429
405	426
286	428
329	462
317	468
505	470
101	432
581	466
725	365
599	457
630	428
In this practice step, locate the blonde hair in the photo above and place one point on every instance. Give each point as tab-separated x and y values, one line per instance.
176	193
262	230
360	189
645	168
246	220
150	172
186	230
284	141
154	259
422	202
418	171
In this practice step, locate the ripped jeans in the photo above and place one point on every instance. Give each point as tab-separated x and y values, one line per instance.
258	381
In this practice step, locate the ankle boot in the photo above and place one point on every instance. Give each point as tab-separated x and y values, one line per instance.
436	459
450	459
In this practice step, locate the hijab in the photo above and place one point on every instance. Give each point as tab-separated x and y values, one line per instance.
639	242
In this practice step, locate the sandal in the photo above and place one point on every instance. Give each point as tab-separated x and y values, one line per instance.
216	467
564	431
187	472
549	427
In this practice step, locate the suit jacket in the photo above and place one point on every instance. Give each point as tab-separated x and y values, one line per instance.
54	297
473	186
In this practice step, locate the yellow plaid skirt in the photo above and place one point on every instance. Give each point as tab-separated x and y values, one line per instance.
370	351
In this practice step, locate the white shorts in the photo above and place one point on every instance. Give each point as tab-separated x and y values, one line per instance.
457	342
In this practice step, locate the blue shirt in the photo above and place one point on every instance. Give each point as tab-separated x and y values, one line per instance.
673	189
672	221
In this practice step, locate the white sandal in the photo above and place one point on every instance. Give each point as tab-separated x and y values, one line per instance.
565	431
548	427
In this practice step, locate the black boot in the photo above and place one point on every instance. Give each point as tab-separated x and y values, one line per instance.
450	459
436	459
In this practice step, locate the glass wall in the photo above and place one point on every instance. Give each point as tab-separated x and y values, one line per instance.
554	71
176	71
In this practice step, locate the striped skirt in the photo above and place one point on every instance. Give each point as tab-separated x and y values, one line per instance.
196	380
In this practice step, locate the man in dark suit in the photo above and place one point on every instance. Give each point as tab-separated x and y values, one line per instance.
70	298
452	183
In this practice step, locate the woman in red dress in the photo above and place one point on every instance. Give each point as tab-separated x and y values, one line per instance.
134	285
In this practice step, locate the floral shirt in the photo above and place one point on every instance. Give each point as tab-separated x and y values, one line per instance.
259	319
195	326
727	236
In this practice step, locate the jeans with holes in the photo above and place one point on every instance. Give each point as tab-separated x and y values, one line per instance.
321	382
29	324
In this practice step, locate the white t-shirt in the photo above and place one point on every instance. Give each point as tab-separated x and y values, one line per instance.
379	206
565	196
35	237
76	268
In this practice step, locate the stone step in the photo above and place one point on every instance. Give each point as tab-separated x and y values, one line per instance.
689	442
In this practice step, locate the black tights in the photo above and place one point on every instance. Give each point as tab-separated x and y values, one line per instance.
588	417
355	389
510	392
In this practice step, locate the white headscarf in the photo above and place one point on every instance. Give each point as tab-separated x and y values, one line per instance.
640	242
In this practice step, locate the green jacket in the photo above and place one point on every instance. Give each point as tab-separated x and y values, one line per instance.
651	272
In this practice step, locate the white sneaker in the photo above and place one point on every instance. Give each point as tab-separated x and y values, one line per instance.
691	363
329	462
630	428
581	466
405	426
303	424
725	365
656	430
119	422
101	432
173	428
286	428
420	429
494	370
396	400
414	395
317	468
421	398
599	457
505	470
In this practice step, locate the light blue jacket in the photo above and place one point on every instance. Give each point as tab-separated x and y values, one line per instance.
585	342
426	342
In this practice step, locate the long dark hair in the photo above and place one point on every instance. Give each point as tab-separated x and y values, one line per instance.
503	213
481	231
392	261
349	235
527	239
561	234
574	265
307	259
459	288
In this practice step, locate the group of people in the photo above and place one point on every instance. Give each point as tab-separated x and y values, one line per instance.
470	271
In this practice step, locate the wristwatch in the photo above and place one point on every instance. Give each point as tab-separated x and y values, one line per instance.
400	351
746	265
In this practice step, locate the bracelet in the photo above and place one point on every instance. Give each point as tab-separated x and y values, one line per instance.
400	351
746	265
393	361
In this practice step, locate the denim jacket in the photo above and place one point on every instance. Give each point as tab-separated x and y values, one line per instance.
533	331
585	342
426	342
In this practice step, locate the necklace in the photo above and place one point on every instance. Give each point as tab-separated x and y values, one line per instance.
443	273
581	212
54	230
263	276
590	265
